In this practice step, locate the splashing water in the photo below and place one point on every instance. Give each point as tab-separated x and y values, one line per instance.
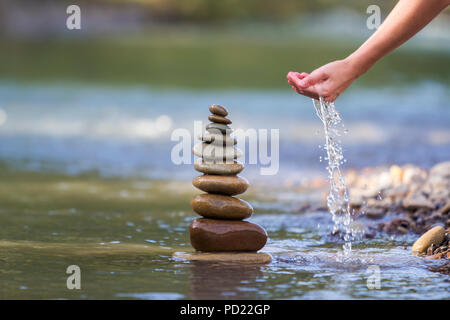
338	198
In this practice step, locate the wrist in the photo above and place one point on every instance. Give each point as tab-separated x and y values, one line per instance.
357	65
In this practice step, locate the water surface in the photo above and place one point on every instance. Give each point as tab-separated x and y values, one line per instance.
86	179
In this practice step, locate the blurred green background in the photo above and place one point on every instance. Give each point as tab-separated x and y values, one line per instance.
204	43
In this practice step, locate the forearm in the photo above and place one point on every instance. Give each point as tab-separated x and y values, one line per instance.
406	19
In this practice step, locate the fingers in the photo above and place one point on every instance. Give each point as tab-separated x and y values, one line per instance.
293	80
315	77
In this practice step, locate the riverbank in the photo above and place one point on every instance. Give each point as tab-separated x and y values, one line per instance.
208	59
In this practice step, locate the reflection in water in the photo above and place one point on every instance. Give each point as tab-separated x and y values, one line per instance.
223	280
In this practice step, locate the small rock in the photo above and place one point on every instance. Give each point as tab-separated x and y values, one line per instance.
218	128
402	230
210	235
417	203
219	110
219	119
221	207
398	192
445	209
431	249
434	236
398	225
218	139
218	168
441	170
374	213
436	256
396	173
228	185
445	269
216	152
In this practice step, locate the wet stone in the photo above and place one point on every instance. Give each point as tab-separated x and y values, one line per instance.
219	110
221	207
218	139
240	257
218	168
210	235
219	119
218	128
216	152
433	236
228	185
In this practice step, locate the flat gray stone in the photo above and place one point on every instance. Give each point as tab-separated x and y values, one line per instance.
238	257
218	128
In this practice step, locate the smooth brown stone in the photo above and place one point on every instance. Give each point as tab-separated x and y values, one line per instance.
240	257
219	139
433	236
445	209
219	110
229	185
210	235
216	152
218	168
219	119
217	206
217	128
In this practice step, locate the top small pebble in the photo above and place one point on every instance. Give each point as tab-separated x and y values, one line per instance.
218	110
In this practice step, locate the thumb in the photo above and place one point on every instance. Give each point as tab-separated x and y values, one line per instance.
315	77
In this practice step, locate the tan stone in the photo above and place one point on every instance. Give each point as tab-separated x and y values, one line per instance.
445	209
218	110
211	235
221	207
374	213
219	119
218	139
219	168
228	185
417	203
216	152
239	257
218	128
433	236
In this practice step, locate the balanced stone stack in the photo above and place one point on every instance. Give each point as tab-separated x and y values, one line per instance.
221	228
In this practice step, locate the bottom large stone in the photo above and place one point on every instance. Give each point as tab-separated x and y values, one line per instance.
210	235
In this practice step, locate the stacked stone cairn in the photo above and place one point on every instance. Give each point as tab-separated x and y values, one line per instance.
221	228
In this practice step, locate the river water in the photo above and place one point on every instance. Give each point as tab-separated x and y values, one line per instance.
87	180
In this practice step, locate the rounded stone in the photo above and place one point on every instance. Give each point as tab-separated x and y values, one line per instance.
216	152
210	235
239	257
219	119
228	185
218	128
433	236
218	139
221	207
218	168
219	110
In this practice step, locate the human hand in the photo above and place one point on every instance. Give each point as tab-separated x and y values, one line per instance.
328	81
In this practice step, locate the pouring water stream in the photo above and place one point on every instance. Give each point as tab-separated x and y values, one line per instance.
338	198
